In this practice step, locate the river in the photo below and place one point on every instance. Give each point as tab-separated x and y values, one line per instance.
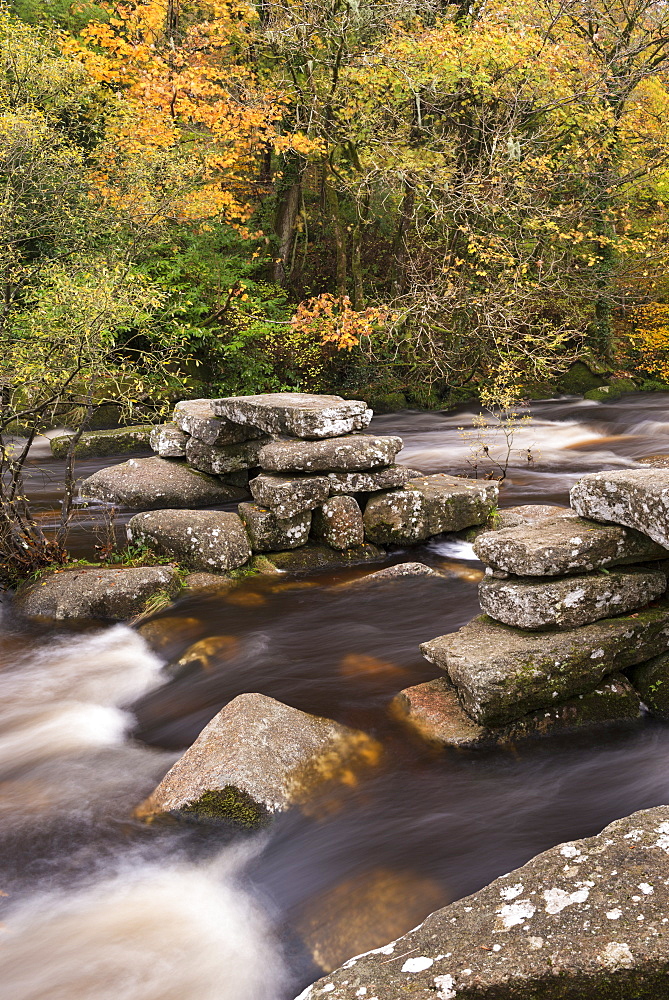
96	906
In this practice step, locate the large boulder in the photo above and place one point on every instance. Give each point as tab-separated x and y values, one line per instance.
638	498
427	506
502	673
93	444
93	592
338	523
432	709
168	441
371	481
201	539
197	418
255	758
224	459
288	496
569	601
269	533
298	414
564	544
353	453
586	919
155	483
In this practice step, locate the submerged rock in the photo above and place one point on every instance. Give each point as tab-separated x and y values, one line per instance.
638	498
93	592
564	544
371	481
354	453
568	601
584	919
197	418
313	557
94	444
433	710
338	523
201	539
298	414
289	496
168	441
223	459
502	673
154	483
269	533
396	572
428	506
255	758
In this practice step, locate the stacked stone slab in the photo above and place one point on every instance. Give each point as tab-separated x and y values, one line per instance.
311	470
570	601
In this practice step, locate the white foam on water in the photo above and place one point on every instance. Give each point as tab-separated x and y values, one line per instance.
155	932
453	548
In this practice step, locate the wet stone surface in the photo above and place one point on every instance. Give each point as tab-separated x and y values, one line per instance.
432	709
255	758
651	680
585	919
567	602
638	498
155	483
200	539
502	673
564	544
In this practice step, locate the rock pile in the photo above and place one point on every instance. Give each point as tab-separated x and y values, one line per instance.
315	479
570	603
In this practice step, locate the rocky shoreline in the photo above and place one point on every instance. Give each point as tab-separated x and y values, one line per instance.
574	634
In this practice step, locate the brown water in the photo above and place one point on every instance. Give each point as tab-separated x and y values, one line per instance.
99	907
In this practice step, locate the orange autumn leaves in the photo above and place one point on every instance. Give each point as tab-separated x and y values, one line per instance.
194	117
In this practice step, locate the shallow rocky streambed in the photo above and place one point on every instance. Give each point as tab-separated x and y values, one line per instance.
97	906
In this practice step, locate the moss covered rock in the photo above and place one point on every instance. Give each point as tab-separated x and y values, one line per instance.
95	444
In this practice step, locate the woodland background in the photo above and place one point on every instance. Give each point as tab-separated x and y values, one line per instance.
409	202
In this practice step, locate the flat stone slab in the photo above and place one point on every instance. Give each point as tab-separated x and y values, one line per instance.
297	414
513	517
427	506
568	601
269	533
201	539
432	709
258	757
354	453
93	592
586	919
370	482
222	460
288	496
94	444
338	523
564	544
502	673
155	483
637	498
168	441
197	418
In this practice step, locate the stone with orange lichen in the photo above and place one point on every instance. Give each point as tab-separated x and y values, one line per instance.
364	912
258	757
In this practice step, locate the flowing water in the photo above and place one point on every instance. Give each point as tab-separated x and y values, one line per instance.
96	906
